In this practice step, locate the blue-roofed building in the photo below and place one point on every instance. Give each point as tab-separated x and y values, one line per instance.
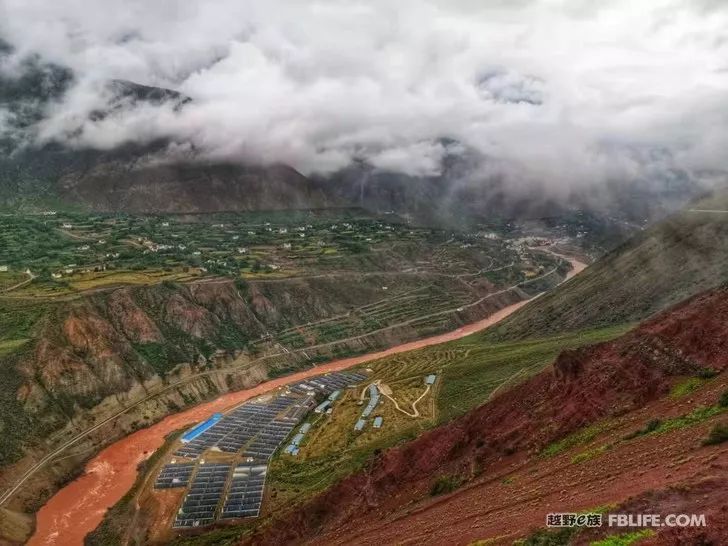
305	428
322	406
378	422
360	424
195	431
297	439
334	395
430	379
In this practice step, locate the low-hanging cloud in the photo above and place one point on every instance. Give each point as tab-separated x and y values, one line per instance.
565	93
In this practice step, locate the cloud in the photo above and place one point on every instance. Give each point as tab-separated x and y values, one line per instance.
560	93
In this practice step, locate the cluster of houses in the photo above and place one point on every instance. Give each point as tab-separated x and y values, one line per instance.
149	246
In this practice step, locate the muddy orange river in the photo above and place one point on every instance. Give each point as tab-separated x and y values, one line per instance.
79	507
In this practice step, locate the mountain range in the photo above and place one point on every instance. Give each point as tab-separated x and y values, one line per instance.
153	176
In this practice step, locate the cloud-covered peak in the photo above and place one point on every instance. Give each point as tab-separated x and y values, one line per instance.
564	93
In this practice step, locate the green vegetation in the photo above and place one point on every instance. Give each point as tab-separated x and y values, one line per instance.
445	484
624	539
589	454
580	437
550	537
156	355
651	426
75	251
468	370
718	435
468	382
17	320
698	415
11	345
723	401
686	387
661	266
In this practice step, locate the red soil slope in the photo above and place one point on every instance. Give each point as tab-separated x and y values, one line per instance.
621	383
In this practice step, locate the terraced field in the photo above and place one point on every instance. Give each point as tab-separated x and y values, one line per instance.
397	308
72	252
468	372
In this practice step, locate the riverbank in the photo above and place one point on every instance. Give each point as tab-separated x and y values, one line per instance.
79	507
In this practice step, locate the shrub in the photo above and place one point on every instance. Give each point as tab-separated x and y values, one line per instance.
589	454
445	484
550	537
651	426
706	373
686	387
718	435
624	539
242	286
723	400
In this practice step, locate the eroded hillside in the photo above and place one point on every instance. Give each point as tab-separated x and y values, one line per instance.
557	441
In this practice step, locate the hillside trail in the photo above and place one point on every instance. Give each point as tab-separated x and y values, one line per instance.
415	412
20	284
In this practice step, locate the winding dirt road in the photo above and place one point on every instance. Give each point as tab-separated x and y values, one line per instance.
79	507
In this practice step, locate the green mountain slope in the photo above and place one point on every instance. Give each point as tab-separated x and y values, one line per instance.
676	258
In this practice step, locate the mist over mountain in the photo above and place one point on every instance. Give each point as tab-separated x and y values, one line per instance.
485	106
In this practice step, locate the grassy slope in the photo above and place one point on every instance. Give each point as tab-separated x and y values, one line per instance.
470	370
679	257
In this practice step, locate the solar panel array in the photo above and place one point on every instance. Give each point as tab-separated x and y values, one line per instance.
246	492
174	475
329	383
253	422
247	422
268	440
255	430
200	504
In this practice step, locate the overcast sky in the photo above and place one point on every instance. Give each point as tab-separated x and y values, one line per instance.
570	91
